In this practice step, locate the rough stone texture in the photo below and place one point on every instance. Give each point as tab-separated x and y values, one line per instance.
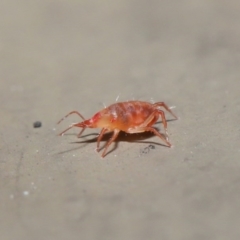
58	56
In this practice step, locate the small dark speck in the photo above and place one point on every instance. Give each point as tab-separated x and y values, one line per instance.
151	146
37	124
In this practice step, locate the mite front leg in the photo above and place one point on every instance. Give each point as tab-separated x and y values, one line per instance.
71	126
73	112
100	138
114	136
81	132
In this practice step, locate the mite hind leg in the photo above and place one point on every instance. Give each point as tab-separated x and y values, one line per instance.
162	114
153	130
154	117
164	105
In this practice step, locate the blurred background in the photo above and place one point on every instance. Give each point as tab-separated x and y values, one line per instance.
58	56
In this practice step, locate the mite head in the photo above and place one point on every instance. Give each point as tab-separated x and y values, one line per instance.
84	124
99	120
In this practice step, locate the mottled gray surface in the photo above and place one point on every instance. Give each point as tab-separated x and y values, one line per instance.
57	56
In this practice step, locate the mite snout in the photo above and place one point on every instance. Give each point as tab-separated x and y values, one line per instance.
87	124
84	124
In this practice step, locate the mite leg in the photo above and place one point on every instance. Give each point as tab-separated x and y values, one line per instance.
114	136
151	129
100	137
162	104
153	118
73	125
79	114
162	114
81	132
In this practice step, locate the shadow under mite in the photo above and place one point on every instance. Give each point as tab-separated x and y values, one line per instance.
122	137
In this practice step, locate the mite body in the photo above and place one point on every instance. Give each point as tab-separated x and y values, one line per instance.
130	117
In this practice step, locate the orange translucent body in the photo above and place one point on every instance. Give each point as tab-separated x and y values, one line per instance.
130	117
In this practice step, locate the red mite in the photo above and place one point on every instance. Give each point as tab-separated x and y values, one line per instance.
129	117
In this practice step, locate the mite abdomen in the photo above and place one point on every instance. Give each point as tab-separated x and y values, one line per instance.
130	114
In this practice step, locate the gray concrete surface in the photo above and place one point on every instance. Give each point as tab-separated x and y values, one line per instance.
58	56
